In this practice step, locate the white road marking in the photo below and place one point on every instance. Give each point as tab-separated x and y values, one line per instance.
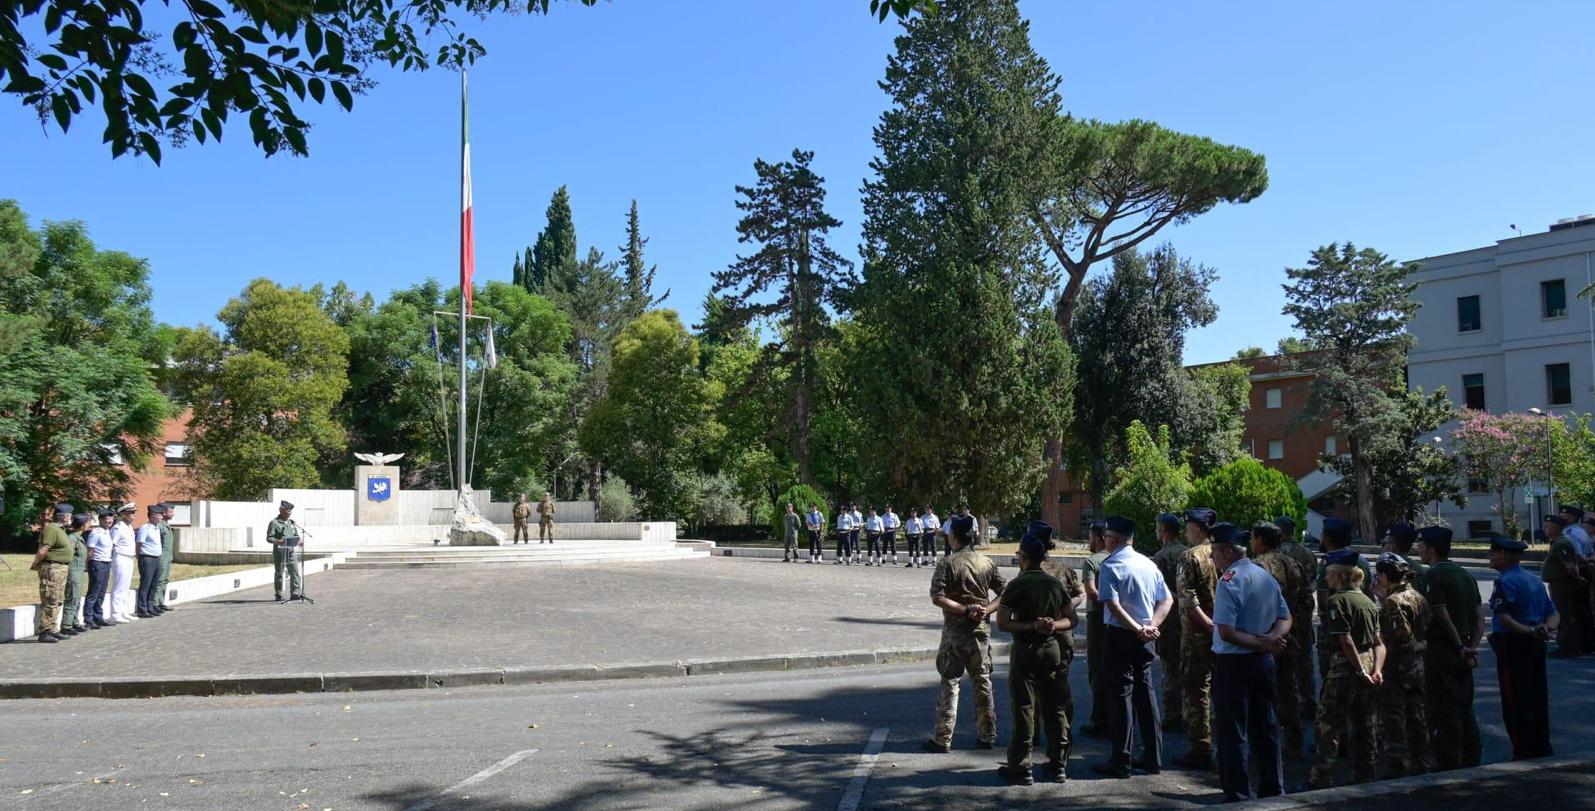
861	772
426	805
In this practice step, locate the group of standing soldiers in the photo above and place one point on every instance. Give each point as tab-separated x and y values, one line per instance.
1397	642
522	511
878	531
86	566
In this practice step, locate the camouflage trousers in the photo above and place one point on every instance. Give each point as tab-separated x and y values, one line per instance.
1347	699
1301	633
1403	718
1168	652
1196	677
1287	700
965	649
52	591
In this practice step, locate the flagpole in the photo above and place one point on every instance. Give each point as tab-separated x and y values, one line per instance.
465	279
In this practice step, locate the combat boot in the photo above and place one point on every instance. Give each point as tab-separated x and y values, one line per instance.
1016	775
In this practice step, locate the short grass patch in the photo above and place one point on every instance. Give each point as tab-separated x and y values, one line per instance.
19	585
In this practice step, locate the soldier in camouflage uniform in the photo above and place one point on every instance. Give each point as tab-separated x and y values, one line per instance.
1337	535
1196	579
1167	560
967	587
1404	627
1296	586
1351	621
1301	630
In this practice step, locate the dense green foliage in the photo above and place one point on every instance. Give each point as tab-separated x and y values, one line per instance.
1245	492
1149	483
1411	471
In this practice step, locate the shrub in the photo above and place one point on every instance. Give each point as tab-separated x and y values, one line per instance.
618	503
1245	492
800	496
1149	483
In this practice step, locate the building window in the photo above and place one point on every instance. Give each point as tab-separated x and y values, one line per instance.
1473	391
1553	298
177	454
1478	484
1480	529
1559	383
1468	317
1273	398
1065	497
1276	449
182	513
1329	446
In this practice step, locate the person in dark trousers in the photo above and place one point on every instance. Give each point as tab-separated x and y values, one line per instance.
1452	654
1096	650
148	544
98	540
1039	610
1252	624
1137	601
1524	620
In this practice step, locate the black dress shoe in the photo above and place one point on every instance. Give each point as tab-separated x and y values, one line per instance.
68	632
938	748
1148	767
1111	770
1195	760
279	598
80	628
1016	775
1055	773
986	745
48	638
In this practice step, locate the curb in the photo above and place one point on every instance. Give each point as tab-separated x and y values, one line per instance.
1405	785
245	684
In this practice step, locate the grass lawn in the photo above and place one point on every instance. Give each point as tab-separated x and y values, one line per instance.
20	585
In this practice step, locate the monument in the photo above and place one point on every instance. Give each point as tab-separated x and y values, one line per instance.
470	528
376	486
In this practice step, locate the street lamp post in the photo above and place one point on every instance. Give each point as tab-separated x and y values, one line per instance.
1439	499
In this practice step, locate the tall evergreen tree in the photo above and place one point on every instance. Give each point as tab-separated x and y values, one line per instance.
639	275
592	296
555	250
962	367
784	215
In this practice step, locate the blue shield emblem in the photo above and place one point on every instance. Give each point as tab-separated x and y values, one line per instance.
379	488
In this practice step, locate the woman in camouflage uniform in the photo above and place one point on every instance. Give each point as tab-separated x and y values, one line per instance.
1404	627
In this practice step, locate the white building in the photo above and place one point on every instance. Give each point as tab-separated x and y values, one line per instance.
1502	330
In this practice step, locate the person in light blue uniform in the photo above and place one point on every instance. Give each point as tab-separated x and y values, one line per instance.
1136	600
873	527
911	532
929	525
890	523
1251	625
853	536
148	542
1525	618
814	524
844	535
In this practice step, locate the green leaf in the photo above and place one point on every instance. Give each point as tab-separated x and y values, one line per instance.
205	9
63	112
53	61
345	98
25	84
139	84
251	33
313	37
150	146
318	90
296	139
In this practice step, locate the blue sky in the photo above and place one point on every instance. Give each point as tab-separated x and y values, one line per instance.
1417	128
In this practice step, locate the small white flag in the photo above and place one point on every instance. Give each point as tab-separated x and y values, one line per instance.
492	351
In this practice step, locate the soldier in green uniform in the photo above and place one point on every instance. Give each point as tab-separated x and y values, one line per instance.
1398	540
1404	628
283	535
1351	621
1039	610
168	548
52	560
1167	560
545	519
789	529
1196	581
1301	630
965	586
1096	649
1337	536
1563	573
1295	584
1455	633
77	578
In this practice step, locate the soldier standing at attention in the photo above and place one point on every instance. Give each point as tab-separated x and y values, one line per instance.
844	534
853	535
168	550
124	551
1563	573
1449	659
966	586
911	531
76	578
1096	652
1351	622
789	532
1196	580
1398	540
1167	560
929	525
520	513
890	524
1301	629
1337	536
1296	585
545	518
1251	621
98	541
51	561
873	527
1039	610
148	542
1137	601
1404	627
815	522
1586	549
283	535
1524	620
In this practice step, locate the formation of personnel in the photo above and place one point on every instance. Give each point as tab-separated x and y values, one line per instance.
871	540
1231	613
86	569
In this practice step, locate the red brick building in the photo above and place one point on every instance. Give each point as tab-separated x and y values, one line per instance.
167	476
1275	434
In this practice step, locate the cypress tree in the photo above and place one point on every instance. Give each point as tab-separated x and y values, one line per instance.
554	254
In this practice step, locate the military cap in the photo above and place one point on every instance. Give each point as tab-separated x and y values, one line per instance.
1501	543
104	511
1169	520
1268	530
1551	518
1576	512
1402	532
1120	525
1341	557
1037	541
1285	522
1393	560
1099	525
64	508
1222	531
166	507
1337	528
963	525
81	518
1040	530
129	507
286	505
1435	533
154	509
1201	515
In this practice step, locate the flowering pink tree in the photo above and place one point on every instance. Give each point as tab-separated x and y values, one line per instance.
1506	450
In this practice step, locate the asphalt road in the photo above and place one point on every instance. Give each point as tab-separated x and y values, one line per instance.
769	741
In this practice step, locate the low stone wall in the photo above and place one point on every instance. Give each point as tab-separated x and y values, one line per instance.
195	542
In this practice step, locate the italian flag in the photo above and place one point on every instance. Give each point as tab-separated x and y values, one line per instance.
467	234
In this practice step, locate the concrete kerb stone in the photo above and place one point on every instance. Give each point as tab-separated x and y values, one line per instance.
543	675
1405	785
240	685
749	664
361	682
55	688
662	670
156	688
465	678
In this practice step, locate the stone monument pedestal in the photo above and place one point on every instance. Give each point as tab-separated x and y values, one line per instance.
470	528
376	490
